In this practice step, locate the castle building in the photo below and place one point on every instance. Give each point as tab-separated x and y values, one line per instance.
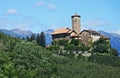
67	33
63	33
86	36
76	23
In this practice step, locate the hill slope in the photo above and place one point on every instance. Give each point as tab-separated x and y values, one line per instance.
22	59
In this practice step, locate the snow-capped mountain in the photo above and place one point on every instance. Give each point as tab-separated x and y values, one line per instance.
24	32
16	33
114	39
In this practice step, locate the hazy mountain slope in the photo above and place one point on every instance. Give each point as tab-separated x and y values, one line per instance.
114	39
23	33
16	33
48	36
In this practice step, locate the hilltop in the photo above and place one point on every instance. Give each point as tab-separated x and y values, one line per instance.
114	37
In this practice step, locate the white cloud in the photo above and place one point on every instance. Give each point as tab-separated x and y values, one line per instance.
38	4
45	5
6	23
11	12
12	24
51	7
95	23
54	27
83	28
118	31
23	25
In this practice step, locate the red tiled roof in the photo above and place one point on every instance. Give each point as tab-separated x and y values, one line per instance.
73	34
62	30
65	30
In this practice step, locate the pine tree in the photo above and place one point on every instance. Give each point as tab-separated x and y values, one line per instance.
42	39
27	38
38	39
32	37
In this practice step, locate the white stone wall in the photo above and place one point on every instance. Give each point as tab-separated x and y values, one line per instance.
95	37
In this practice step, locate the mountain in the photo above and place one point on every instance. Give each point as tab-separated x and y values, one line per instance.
114	39
17	33
23	32
48	36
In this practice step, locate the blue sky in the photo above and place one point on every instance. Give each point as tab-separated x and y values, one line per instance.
40	15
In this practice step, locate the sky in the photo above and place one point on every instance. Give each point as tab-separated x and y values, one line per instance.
40	15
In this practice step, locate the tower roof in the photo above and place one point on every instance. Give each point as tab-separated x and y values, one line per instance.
75	15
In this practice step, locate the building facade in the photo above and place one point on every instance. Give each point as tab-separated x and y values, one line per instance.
88	36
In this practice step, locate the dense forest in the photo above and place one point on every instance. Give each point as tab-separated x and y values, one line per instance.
23	58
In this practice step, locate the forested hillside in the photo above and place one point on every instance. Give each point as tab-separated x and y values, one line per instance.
23	59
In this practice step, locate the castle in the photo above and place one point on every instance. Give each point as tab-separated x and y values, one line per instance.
86	36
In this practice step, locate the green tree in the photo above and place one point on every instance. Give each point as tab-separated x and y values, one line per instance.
114	52
32	37
79	56
101	48
84	48
62	42
55	43
75	42
27	38
69	47
38	39
100	41
42	39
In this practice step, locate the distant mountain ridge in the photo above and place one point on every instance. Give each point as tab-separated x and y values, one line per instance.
114	39
17	33
24	33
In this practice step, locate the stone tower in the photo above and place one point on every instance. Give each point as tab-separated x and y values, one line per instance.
76	23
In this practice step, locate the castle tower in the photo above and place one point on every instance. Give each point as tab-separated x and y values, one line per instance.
76	23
